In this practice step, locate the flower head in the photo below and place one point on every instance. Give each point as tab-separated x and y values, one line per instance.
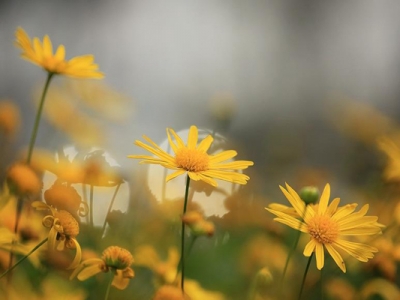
41	54
328	226
23	180
194	160
63	230
65	197
115	259
10	118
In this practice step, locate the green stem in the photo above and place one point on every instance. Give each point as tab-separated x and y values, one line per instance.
23	258
109	208
91	205
182	259
294	246
305	275
38	116
108	288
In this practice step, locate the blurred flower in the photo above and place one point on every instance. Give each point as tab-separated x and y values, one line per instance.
166	270
64	197
340	289
360	120
193	291
93	169
198	225
41	54
223	106
10	242
390	148
115	259
22	180
69	118
63	230
326	226
9	118
194	160
170	292
378	286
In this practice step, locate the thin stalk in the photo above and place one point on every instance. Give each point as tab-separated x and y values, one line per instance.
38	117
23	258
294	246
108	289
305	275
109	208
182	259
91	205
17	217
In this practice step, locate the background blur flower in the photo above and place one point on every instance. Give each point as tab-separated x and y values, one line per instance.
327	225
41	54
23	180
194	160
10	119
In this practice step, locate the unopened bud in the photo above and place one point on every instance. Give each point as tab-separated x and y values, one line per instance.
309	194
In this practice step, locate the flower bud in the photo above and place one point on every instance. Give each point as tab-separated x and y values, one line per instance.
309	194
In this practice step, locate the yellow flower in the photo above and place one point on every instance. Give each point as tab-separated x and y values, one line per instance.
23	180
329	225
194	160
115	259
169	292
63	230
41	54
10	118
65	197
390	148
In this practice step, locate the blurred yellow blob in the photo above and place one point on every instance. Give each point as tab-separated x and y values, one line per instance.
10	119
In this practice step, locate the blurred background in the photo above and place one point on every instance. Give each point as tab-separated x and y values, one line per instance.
279	74
302	88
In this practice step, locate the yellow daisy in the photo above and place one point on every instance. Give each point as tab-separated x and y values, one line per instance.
194	160
41	54
329	225
115	259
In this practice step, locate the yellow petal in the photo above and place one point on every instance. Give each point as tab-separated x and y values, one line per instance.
319	255
336	257
193	137
89	272
323	202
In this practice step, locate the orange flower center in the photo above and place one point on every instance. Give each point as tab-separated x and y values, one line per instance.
192	160
323	229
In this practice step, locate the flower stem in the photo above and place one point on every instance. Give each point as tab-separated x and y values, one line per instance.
109	209
38	116
91	205
182	259
23	258
294	246
305	275
108	288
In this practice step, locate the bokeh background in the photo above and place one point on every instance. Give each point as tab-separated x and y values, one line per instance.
302	88
285	64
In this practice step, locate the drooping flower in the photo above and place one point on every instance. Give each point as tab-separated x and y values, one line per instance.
63	230
115	259
63	196
328	227
194	160
41	54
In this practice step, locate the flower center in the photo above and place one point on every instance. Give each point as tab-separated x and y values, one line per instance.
192	160
69	224
323	229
